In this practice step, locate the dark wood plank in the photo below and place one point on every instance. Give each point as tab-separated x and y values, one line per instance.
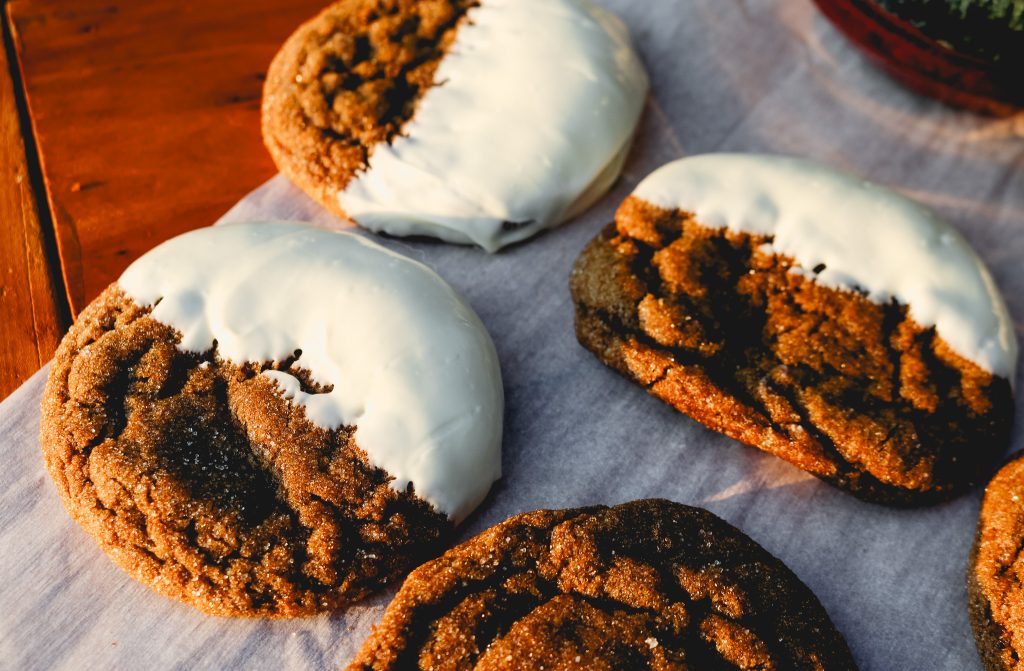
146	116
33	313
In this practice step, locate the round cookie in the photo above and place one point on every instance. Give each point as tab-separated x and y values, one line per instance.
269	419
821	319
644	585
994	585
473	121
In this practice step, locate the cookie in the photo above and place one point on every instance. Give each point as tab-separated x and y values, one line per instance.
824	320
273	420
473	121
994	587
644	585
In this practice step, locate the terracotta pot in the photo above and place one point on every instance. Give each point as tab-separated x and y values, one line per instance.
982	82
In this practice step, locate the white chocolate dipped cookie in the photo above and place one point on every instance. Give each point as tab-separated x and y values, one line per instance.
474	121
823	319
861	236
273	419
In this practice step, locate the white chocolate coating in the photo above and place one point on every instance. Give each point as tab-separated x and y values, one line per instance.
412	367
867	237
530	123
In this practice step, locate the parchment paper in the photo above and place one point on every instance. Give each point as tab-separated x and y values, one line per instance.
727	75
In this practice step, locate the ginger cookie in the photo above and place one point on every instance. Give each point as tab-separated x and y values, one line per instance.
994	586
644	585
269	419
473	121
830	322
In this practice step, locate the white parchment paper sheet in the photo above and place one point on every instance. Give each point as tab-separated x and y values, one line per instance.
754	75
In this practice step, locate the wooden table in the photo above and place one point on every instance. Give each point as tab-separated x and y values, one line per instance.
124	122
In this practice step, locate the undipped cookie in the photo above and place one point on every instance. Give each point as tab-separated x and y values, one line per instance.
995	577
644	585
473	121
270	419
825	320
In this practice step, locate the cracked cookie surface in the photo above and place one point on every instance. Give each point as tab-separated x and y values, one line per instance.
346	81
644	585
995	577
197	478
743	340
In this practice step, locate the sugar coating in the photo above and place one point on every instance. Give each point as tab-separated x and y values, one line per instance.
530	123
397	353
860	235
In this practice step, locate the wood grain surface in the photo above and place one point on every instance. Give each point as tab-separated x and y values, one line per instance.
33	312
146	118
